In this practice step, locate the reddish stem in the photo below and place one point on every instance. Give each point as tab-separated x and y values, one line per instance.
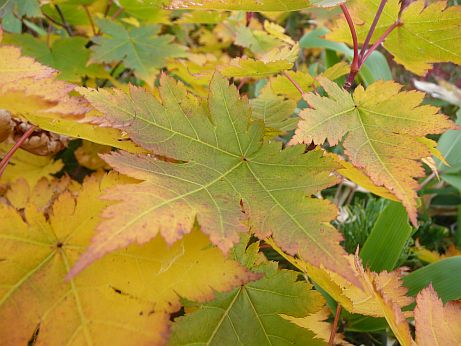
295	83
10	153
372	28
378	42
355	60
334	327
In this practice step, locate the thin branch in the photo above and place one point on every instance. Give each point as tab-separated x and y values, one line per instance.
334	327
372	28
378	42
90	18
65	25
295	83
355	60
107	9
427	180
6	159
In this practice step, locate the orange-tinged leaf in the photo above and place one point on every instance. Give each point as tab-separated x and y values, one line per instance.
381	126
227	168
14	67
436	323
426	34
124	299
366	299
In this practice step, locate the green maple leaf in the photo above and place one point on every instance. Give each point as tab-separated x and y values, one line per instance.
223	175
11	12
425	35
382	127
68	55
250	314
140	49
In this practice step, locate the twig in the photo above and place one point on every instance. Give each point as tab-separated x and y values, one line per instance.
65	25
117	13
427	181
295	83
6	159
378	42
111	73
355	60
334	327
107	9
372	28
90	18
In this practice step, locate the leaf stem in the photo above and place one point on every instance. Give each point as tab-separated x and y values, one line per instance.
334	327
372	29
355	60
6	159
295	83
65	25
379	41
90	18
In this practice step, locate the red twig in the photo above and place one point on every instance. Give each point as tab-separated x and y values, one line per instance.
355	60
378	42
372	29
10	153
295	83
334	327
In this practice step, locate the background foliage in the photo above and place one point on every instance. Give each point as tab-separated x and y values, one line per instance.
230	172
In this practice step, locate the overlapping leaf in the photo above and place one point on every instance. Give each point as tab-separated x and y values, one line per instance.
30	91
123	299
381	126
436	323
223	175
244	317
240	5
425	35
141	49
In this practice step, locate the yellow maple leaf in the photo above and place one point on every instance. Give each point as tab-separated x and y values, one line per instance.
30	91
124	299
28	166
317	323
425	34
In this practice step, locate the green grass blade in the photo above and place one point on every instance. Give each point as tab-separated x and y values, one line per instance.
444	276
387	239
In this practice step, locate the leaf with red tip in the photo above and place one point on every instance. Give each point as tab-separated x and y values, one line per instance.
381	126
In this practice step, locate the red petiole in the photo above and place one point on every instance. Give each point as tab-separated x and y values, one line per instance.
360	58
6	159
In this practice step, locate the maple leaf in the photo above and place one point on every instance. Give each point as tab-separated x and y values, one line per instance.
381	126
141	49
29	90
436	323
222	166
425	34
28	166
11	13
67	55
244	317
248	67
316	322
14	67
240	5
275	111
126	297
283	86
